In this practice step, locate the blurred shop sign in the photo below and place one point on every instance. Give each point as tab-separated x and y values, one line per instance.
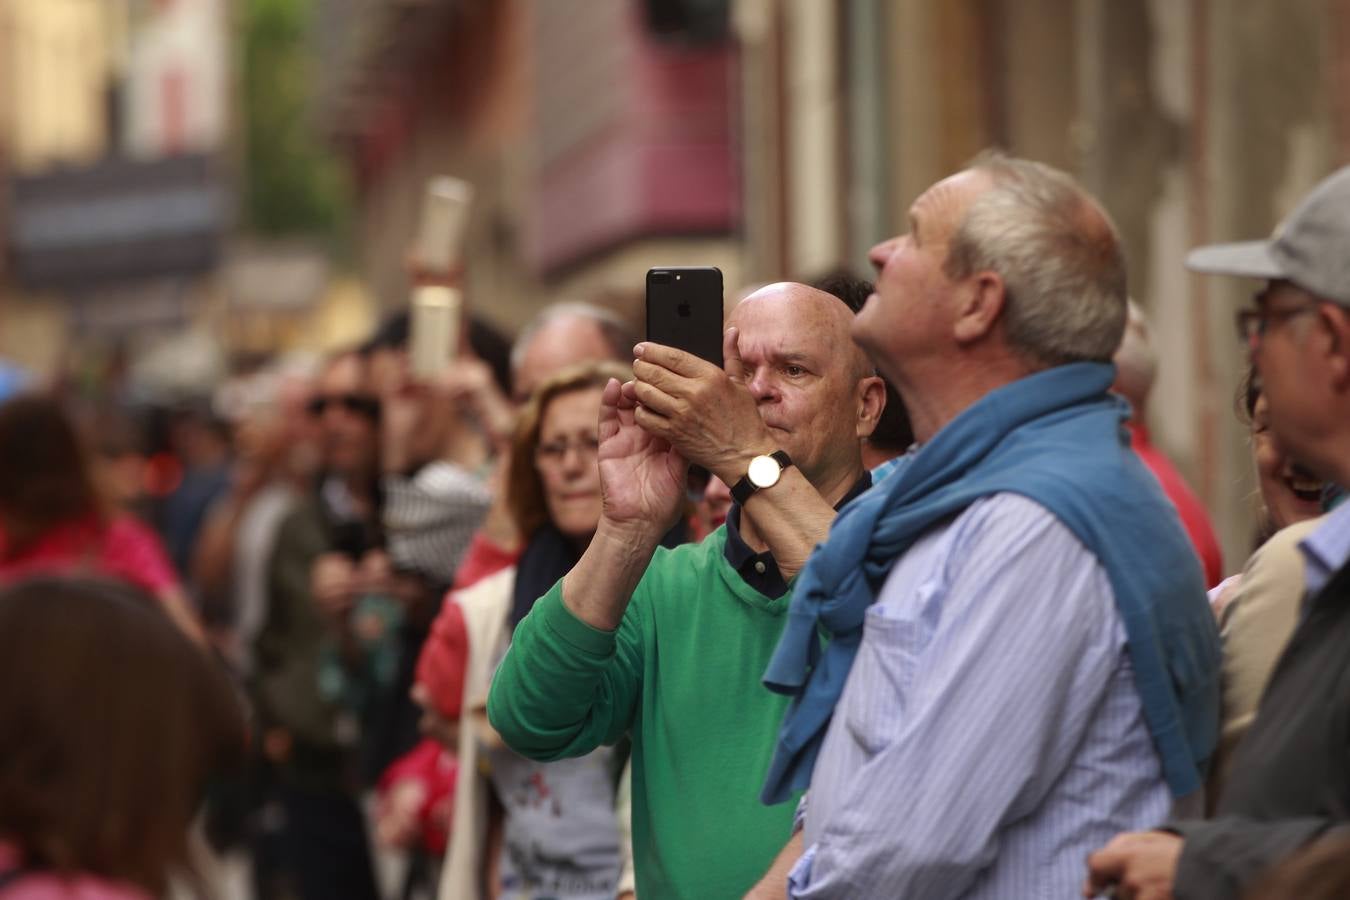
118	220
275	277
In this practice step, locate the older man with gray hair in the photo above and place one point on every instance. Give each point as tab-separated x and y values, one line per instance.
1288	788
1019	653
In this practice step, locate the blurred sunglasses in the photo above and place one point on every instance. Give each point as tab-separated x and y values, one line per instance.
357	404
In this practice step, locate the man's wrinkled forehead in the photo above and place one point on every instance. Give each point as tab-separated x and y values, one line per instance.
941	208
788	313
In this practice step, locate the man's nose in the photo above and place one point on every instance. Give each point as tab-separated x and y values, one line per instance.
881	252
761	385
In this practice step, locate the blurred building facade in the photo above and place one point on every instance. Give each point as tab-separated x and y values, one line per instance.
771	138
121	163
117	206
1194	122
778	138
597	146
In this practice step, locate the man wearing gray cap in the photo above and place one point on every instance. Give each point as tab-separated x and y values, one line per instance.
1290	785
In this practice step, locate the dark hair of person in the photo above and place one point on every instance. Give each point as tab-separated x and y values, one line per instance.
487	343
1244	405
198	416
525	487
848	287
391	334
493	348
1248	392
46	477
893	431
111	723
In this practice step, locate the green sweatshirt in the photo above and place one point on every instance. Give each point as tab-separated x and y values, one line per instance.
682	673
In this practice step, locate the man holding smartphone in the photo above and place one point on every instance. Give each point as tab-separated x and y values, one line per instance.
670	646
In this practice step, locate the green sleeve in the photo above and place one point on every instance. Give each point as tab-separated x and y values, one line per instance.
564	688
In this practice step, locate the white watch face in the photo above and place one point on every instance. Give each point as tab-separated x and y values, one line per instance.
764	471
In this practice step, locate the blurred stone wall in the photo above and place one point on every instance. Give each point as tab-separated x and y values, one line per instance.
1193	120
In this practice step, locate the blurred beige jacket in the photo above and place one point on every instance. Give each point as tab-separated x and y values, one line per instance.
487	606
1256	618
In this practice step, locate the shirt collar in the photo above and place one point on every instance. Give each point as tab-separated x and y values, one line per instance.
1327	549
766	578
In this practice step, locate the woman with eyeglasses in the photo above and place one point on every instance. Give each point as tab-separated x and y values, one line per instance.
557	833
1287	491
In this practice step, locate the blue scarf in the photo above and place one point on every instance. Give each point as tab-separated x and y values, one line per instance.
1055	437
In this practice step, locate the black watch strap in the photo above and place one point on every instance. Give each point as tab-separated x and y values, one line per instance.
742	490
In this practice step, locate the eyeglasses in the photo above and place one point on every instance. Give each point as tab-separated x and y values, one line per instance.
554	452
1252	324
358	404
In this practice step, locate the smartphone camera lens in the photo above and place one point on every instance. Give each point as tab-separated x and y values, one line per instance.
660	278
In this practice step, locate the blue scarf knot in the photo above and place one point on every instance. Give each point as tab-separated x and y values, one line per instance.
1056	437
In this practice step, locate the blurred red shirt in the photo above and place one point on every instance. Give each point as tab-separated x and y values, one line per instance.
1192	512
440	667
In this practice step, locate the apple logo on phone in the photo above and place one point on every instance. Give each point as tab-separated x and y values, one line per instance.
684	310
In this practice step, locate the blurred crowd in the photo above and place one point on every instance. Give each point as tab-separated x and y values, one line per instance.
899	601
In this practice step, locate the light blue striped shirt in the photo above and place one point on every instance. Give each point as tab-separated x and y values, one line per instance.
990	735
1326	550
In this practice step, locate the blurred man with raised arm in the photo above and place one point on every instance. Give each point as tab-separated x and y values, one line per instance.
670	646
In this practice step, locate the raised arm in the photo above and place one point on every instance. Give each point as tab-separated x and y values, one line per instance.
642	482
709	415
571	677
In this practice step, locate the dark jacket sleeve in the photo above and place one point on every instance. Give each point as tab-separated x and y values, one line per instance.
287	649
1222	858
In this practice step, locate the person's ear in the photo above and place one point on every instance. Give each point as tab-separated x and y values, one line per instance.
1336	321
980	300
871	400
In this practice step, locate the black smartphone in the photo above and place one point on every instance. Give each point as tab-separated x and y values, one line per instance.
684	310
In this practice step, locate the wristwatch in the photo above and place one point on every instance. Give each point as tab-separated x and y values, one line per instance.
764	472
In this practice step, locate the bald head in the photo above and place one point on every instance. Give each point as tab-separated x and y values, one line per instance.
562	335
812	311
814	387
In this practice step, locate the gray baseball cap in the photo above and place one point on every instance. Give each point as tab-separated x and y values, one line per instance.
1311	247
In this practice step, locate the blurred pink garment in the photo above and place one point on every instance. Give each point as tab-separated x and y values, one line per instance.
120	548
16	884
